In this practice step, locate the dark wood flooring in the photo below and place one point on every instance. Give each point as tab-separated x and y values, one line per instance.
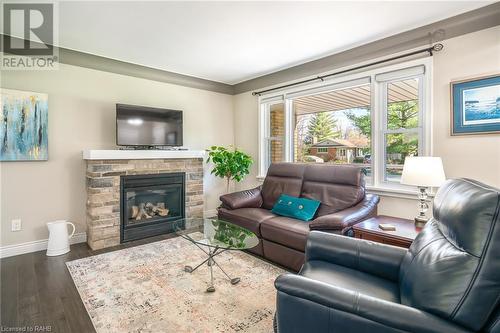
37	291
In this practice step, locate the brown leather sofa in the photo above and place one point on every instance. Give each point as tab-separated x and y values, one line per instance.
344	202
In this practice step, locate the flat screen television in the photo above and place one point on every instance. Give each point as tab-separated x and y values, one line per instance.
145	126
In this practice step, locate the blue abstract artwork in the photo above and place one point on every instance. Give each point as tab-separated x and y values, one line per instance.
23	126
476	106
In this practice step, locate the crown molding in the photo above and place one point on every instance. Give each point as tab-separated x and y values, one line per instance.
77	58
92	61
478	19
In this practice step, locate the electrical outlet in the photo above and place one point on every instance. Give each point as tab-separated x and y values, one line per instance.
16	225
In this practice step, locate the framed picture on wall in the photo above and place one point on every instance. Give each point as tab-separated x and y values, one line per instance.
23	126
475	106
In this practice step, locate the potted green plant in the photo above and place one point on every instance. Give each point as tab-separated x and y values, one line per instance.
230	164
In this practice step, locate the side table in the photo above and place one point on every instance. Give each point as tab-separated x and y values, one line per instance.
403	236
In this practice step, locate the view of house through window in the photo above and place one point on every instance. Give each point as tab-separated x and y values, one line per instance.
334	127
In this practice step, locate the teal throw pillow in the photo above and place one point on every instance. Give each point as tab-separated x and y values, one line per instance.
299	208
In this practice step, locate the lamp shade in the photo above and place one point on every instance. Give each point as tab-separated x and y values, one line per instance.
423	171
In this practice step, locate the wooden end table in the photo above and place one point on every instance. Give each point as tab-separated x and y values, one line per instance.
403	236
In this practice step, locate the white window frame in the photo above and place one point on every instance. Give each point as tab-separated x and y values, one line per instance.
381	180
264	130
322	150
377	108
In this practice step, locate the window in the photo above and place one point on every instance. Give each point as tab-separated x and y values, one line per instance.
401	125
404	121
275	132
373	120
340	118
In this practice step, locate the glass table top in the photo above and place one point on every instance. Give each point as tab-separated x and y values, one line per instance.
215	233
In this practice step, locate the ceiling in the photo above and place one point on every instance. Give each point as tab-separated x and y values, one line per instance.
231	42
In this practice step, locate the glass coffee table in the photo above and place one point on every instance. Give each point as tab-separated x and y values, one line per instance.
217	237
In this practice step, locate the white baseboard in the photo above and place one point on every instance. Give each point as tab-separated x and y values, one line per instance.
39	245
210	213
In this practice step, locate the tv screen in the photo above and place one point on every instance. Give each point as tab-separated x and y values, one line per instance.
145	126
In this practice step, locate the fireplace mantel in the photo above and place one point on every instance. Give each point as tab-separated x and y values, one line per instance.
116	154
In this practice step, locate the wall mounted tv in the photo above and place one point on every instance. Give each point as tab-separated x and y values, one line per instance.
145	126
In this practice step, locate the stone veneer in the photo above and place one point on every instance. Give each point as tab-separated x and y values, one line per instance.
103	192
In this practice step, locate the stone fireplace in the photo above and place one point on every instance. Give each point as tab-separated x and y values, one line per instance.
155	191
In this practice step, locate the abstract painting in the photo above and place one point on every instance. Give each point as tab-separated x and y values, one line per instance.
23	126
476	106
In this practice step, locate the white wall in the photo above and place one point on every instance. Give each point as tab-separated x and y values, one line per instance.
475	156
246	117
468	56
82	116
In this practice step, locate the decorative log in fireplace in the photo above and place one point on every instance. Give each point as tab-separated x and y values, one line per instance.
148	210
150	203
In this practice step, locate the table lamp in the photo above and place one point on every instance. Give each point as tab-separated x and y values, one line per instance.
423	172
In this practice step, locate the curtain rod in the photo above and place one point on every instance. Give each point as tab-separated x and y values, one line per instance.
435	48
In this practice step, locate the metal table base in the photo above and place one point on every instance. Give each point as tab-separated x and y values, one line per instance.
211	253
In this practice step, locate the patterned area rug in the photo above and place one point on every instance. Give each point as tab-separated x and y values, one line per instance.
145	289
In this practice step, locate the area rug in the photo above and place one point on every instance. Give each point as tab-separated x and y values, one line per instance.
145	289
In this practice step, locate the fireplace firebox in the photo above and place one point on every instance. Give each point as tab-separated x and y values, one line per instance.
150	203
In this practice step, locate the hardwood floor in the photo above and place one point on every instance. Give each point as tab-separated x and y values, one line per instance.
37	291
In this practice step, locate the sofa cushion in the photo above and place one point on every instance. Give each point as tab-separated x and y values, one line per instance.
281	178
297	208
337	187
286	231
351	279
249	218
283	255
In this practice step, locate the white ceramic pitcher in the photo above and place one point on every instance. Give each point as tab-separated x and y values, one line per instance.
58	237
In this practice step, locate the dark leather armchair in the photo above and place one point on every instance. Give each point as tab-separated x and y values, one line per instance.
448	281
